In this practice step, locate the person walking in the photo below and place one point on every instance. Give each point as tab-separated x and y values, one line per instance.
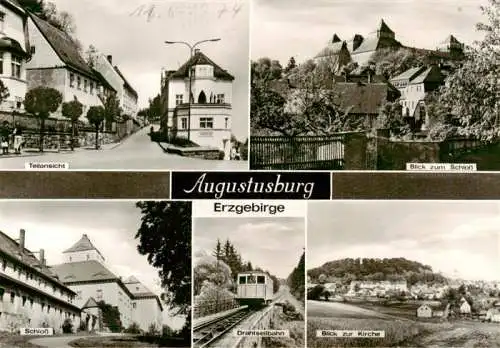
5	145
18	140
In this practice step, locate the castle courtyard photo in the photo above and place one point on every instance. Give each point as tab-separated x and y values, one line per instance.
374	87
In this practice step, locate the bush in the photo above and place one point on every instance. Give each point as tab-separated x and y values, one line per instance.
221	155
133	329
67	326
183	142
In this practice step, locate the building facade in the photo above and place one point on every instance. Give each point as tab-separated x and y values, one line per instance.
31	295
198	103
85	272
56	63
14	53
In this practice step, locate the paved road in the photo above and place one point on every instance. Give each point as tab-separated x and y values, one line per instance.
137	152
55	342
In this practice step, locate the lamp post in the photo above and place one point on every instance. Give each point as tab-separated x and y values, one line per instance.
191	53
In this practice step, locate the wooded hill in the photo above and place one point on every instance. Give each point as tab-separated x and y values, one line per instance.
392	269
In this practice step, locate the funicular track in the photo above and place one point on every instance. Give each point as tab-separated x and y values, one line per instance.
208	333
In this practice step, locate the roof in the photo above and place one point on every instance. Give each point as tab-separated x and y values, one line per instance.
335	38
450	40
15	6
362	98
408	74
103	80
9	44
201	59
125	82
332	49
63	45
83	271
431	74
10	247
91	303
384	27
83	244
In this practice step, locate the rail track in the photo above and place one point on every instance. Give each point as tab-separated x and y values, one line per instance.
208	333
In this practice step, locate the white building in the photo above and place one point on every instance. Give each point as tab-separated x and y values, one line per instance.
206	117
147	308
31	295
56	63
125	93
86	273
14	52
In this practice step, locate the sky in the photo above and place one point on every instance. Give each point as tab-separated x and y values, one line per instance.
281	29
111	226
259	240
134	32
458	238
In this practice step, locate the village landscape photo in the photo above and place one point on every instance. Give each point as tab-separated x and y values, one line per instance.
246	278
405	273
374	85
131	85
95	273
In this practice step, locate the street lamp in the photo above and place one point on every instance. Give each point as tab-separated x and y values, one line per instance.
191	53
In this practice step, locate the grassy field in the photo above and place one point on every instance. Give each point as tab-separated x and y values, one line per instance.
8	340
292	321
397	332
112	342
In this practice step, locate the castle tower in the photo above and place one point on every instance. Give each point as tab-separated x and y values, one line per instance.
83	250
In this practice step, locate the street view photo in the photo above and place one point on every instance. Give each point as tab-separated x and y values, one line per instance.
95	274
375	85
249	284
131	85
403	274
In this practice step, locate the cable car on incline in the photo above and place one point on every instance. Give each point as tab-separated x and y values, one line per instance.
254	288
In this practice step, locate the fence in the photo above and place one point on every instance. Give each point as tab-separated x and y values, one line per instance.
297	153
204	308
458	146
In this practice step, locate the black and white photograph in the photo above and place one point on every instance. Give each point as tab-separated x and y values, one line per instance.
95	274
134	85
403	274
375	85
249	282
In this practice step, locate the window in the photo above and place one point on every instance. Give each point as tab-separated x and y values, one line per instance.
2	291
226	122
91	87
178	99
184	123
1	63
78	82
79	293
31	302
206	122
243	280
99	294
2	21
72	80
251	279
16	67
12	297
261	280
220	98
85	85
32	49
48	309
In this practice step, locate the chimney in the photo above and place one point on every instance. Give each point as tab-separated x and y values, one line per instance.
42	257
22	236
196	50
110	59
356	41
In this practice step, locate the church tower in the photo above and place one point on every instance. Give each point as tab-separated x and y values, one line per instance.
384	32
83	250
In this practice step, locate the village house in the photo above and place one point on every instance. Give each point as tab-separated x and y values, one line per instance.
14	53
86	273
433	310
205	117
414	84
424	311
56	63
335	54
125	93
31	295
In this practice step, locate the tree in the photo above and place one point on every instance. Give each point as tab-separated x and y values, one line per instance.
72	110
112	110
110	316
155	108
291	65
296	280
91	56
95	115
4	92
389	117
41	102
165	237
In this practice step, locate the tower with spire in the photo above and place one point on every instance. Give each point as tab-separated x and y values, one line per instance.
83	250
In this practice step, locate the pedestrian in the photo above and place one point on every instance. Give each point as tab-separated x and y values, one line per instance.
5	145
18	140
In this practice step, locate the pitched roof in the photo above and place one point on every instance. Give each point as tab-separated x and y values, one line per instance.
91	303
10	247
450	40
83	271
335	38
63	45
384	27
103	80
361	98
201	59
409	74
332	49
431	74
125	82
83	244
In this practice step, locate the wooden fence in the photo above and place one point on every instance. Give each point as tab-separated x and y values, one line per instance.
324	152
